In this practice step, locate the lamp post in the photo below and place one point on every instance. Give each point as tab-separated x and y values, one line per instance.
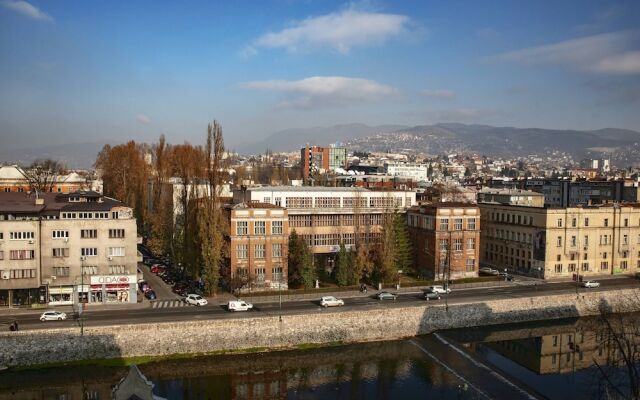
80	305
280	297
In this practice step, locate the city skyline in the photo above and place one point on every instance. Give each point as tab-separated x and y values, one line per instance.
76	72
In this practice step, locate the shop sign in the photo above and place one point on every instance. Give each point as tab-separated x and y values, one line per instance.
113	279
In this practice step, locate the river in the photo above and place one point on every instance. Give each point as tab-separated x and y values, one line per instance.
554	360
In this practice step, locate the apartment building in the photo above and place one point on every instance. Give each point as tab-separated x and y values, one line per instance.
63	248
414	171
258	244
322	159
573	242
13	180
570	193
446	239
326	216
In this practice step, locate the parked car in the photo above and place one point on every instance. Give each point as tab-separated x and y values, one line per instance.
330	301
142	285
157	268
195	299
239	305
53	316
439	289
386	296
489	271
430	295
590	284
150	294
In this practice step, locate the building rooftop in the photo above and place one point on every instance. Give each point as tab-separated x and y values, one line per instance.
254	204
25	202
318	189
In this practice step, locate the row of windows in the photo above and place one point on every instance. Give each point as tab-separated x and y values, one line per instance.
88	234
22	254
88	215
470	264
457	224
91	270
334	202
21	235
242	251
512	218
334	239
457	244
111	251
296	221
19	273
260	273
259	228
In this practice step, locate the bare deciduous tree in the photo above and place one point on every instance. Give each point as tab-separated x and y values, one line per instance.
43	175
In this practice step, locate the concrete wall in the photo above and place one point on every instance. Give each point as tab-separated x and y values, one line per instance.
324	326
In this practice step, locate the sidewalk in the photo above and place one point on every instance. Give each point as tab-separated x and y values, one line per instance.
602	277
71	309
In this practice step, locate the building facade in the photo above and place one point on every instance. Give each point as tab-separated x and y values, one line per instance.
416	172
64	248
13	180
258	245
322	159
445	239
574	242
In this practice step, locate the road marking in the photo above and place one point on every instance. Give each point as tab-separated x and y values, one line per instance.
168	303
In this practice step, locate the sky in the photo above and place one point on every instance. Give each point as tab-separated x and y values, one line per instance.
88	71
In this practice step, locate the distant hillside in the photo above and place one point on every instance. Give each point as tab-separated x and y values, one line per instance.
79	155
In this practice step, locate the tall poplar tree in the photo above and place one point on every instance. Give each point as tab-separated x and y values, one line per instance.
342	266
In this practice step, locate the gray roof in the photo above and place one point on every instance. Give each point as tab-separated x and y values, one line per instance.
310	189
25	203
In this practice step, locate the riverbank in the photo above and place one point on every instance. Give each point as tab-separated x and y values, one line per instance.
49	346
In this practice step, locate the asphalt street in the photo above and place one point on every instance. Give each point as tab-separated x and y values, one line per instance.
146	315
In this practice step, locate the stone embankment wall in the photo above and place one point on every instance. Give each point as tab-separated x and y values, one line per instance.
324	326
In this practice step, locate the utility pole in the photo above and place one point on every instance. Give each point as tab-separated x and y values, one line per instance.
80	304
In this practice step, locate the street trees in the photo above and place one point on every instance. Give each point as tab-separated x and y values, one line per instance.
300	263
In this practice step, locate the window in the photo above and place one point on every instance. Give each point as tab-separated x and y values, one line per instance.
61	271
559	222
559	241
116	233
242	271
558	257
625	240
260	228
572	267
90	270
116	251
586	241
259	251
260	275
471	244
22	273
21	235
471	224
574	241
60	252
457	244
555	341
276	250
117	270
241	251
457	224
623	265
278	201
574	222
604	255
89	233
558	268
604	265
89	251
444	244
606	222
276	227
585	266
444	224
471	263
242	228
626	222
586	222
22	254
60	234
276	274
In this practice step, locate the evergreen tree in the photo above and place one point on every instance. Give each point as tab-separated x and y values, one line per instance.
300	263
385	253
342	266
403	253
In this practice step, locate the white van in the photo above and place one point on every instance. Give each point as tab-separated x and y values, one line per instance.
239	305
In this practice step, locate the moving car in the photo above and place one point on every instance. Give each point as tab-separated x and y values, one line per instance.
239	305
330	301
430	295
150	294
386	296
489	271
53	316
195	299
590	284
439	289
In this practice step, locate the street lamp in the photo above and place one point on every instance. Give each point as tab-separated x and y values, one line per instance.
80	305
280	296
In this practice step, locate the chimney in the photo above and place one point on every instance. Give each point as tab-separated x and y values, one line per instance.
40	201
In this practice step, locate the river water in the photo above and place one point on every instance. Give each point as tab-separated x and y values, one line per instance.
554	360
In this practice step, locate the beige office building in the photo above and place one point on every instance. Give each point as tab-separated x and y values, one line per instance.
549	243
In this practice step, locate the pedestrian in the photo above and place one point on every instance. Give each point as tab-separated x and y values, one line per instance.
15	324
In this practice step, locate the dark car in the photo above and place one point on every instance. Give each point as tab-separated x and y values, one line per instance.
431	295
386	296
150	295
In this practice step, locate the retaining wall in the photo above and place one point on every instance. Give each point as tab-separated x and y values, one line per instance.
26	348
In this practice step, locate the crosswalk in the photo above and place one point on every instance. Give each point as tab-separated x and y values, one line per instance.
168	303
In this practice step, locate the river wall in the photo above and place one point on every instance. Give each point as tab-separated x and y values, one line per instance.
254	332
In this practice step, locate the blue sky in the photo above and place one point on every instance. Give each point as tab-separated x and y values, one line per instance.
85	71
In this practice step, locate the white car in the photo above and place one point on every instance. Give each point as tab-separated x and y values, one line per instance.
439	289
330	301
489	271
53	316
239	305
196	300
590	284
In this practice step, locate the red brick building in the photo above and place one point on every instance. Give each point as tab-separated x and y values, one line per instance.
446	239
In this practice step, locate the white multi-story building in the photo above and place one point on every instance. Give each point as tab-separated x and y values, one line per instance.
63	248
417	172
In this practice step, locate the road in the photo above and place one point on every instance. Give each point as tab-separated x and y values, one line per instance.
29	321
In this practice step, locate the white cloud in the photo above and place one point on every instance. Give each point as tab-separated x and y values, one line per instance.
143	119
438	93
25	8
324	91
604	53
340	31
